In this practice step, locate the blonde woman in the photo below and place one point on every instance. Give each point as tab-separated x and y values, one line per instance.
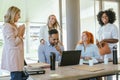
51	24
13	50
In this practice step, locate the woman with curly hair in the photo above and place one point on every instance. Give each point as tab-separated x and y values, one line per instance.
108	32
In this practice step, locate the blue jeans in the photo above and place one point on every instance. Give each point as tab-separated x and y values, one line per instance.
17	75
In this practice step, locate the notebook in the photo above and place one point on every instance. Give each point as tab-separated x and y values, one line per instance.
70	57
36	68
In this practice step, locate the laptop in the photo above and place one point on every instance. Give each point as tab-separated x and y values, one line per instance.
70	57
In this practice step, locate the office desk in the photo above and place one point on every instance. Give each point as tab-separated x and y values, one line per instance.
70	73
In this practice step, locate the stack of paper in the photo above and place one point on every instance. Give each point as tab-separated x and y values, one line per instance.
38	65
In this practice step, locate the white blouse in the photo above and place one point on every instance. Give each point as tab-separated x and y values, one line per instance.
108	31
91	50
44	33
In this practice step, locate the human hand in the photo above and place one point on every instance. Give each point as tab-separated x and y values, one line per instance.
100	44
42	41
60	43
87	58
58	49
81	57
21	30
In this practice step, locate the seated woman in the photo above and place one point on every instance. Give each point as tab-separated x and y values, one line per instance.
89	49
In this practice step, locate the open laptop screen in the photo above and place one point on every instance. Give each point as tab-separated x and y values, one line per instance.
70	57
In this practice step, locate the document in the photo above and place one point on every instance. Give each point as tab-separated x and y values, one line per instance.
38	65
88	68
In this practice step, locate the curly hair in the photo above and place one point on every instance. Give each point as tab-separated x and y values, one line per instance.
91	37
111	16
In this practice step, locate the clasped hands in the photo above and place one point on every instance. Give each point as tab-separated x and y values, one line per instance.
21	31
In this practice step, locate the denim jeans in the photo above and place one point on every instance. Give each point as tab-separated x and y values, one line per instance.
17	75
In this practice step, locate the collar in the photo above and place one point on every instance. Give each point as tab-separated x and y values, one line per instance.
48	43
107	24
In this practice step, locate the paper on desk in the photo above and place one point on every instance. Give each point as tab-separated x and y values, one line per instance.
88	68
38	65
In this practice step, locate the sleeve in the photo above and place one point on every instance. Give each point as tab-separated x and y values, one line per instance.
96	52
10	35
115	32
42	32
41	54
78	47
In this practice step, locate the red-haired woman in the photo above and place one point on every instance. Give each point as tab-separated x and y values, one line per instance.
89	49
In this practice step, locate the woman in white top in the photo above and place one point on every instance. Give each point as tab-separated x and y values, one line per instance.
13	49
108	32
51	24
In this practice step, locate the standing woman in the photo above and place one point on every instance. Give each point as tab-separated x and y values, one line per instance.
51	24
108	32
13	50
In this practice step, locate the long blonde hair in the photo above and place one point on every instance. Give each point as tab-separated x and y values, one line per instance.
56	24
10	15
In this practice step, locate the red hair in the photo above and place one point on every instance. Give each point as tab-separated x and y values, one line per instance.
89	36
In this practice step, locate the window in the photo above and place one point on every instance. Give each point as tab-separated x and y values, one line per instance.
34	15
1	40
113	5
39	18
88	12
64	24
